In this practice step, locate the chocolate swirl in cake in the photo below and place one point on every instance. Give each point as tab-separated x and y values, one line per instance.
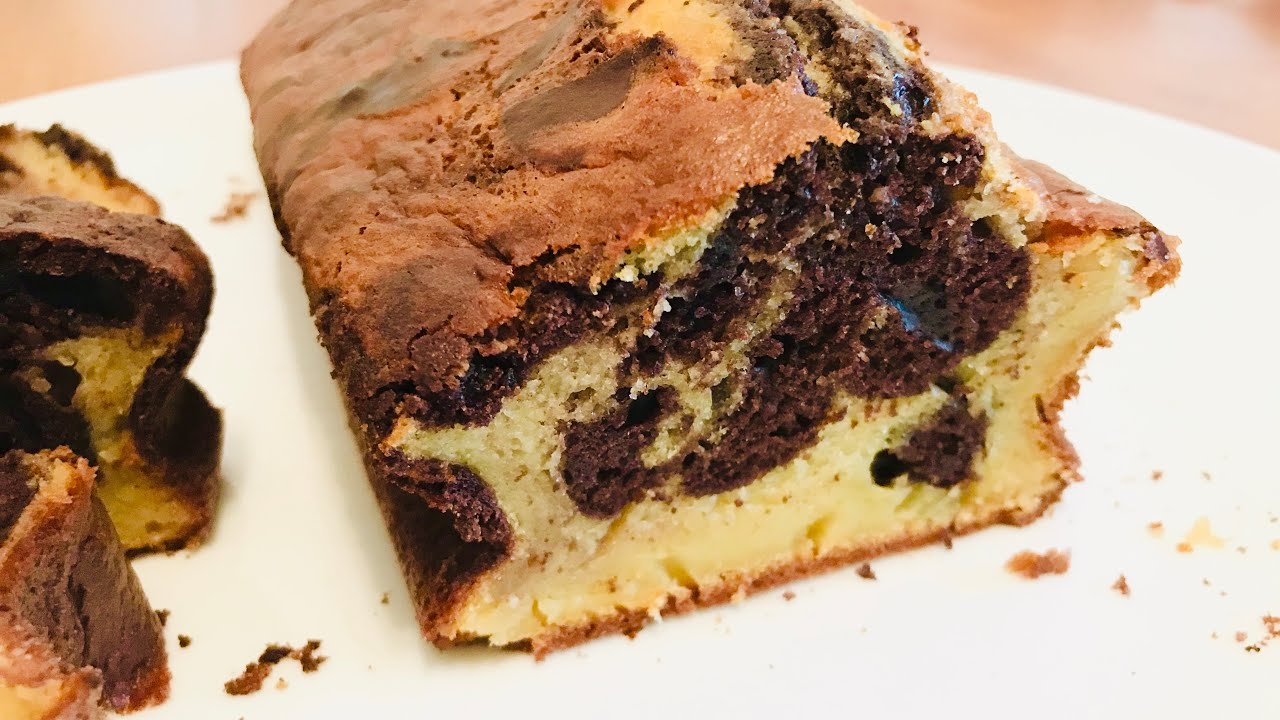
639	306
80	284
894	285
16	492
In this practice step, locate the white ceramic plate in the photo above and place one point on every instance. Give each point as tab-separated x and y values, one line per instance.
1188	389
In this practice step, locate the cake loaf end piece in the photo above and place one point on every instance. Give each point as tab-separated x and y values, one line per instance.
642	306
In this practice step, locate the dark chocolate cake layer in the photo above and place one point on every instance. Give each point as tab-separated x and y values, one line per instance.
73	618
639	306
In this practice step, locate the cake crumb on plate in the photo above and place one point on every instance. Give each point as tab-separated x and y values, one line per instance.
1200	535
1032	565
257	672
248	682
236	207
308	657
1121	585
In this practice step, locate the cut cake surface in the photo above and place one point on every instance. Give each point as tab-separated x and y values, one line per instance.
641	306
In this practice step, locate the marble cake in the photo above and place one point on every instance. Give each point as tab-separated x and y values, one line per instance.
644	305
102	306
76	631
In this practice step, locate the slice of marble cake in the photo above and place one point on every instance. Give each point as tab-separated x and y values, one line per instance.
640	306
102	306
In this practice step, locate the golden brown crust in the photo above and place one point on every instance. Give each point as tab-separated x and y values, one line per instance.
1072	209
414	192
1073	214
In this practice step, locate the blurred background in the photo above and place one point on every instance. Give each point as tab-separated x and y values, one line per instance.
1212	62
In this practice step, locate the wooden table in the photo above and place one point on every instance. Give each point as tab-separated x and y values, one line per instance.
1213	62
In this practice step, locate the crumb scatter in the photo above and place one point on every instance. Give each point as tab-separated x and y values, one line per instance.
308	657
1201	535
184	641
1033	565
865	572
1121	585
274	654
788	596
256	673
248	682
237	206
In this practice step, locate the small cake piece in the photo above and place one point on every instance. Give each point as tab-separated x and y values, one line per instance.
75	627
642	306
100	313
60	162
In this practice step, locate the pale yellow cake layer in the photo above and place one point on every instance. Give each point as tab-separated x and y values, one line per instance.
112	364
32	702
48	171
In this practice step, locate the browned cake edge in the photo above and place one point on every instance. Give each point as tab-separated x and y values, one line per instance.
78	152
